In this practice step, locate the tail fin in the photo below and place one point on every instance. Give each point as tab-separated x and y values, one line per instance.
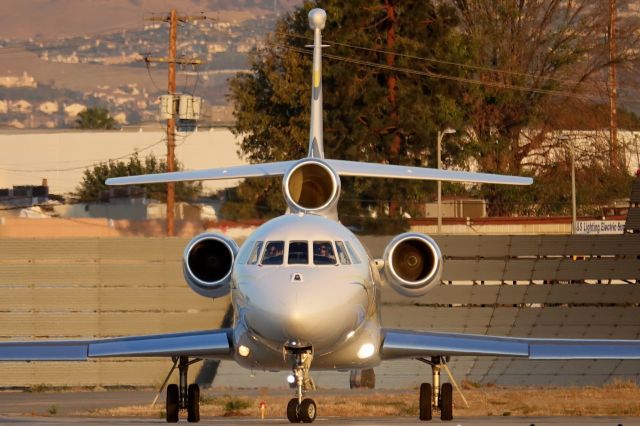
317	19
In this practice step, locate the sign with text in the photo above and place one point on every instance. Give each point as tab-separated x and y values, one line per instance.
595	227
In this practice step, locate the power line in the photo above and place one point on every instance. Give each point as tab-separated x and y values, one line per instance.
438	61
457	64
431	74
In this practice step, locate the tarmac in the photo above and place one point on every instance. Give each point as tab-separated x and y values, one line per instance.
330	421
22	408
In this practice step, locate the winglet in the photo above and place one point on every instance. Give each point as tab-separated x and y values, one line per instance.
317	20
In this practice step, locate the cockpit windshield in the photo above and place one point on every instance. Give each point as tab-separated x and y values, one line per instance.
273	253
323	253
298	253
342	253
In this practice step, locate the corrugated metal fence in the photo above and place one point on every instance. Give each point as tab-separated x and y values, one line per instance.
84	288
551	286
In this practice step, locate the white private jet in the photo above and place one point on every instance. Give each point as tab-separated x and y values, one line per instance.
306	293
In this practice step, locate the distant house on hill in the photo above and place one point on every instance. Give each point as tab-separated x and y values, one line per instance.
48	107
21	106
74	109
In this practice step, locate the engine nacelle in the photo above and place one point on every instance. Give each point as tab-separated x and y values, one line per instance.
412	264
311	186
208	262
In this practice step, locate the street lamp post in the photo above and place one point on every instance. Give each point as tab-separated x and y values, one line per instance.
573	186
570	141
447	131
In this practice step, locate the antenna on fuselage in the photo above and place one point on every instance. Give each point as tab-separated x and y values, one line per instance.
317	19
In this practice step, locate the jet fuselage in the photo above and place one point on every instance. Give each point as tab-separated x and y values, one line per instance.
305	280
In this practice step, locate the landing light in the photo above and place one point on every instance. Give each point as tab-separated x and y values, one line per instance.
290	378
244	351
366	351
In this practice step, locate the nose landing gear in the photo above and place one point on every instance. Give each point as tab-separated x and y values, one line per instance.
299	409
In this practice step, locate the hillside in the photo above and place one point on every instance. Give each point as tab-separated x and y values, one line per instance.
52	19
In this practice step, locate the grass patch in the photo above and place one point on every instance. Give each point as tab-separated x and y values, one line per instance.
618	398
235	407
42	387
52	410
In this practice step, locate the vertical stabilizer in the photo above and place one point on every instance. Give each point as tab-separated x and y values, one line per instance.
317	19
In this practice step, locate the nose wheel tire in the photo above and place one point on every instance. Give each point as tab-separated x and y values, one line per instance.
173	403
307	411
292	411
446	402
425	401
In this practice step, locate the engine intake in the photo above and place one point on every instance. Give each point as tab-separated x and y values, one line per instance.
311	186
207	264
412	264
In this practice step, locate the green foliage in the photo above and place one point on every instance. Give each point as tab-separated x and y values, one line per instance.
52	410
92	185
95	118
540	58
272	103
41	387
234	405
533	56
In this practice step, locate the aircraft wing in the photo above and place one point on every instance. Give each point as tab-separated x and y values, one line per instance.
354	168
415	344
237	172
210	344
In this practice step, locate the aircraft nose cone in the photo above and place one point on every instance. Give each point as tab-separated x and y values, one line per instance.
318	315
321	318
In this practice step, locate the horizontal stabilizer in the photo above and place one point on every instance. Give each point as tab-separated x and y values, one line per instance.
236	172
211	343
412	344
354	168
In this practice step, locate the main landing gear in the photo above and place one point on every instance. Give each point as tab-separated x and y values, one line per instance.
182	397
299	409
436	397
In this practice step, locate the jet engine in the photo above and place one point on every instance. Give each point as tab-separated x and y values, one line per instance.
311	186
207	264
412	264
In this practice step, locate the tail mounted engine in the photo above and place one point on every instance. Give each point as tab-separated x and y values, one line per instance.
207	264
412	264
311	186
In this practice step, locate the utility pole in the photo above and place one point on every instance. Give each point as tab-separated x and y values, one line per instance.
172	60
614	161
441	134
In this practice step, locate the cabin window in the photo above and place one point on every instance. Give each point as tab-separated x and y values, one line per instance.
298	253
245	252
273	253
323	253
352	252
255	253
342	253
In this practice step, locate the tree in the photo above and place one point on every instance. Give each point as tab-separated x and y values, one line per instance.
536	63
371	113
95	118
92	186
504	74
